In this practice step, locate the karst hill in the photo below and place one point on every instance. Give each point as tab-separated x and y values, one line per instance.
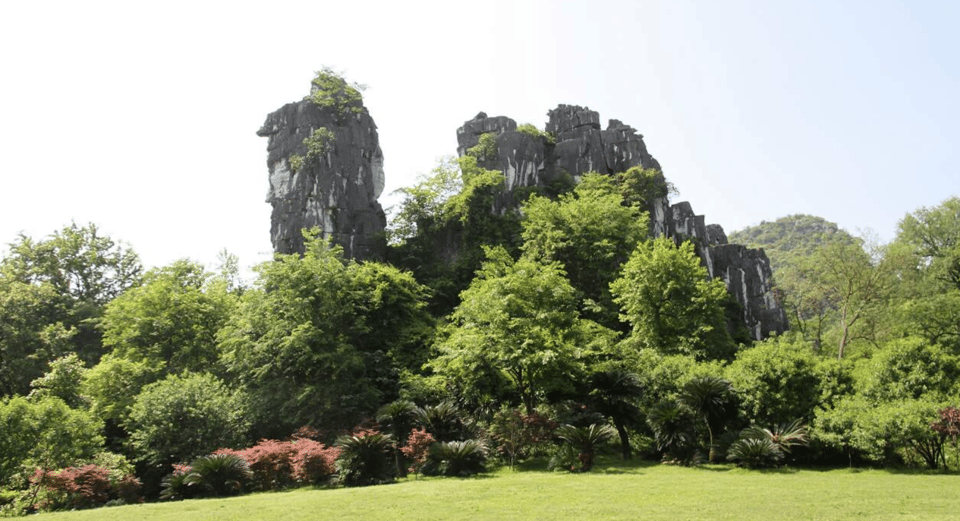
326	170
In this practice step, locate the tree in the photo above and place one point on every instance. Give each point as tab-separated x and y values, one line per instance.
44	433
590	233
640	186
665	296
519	320
791	243
443	224
423	203
883	432
860	282
76	261
31	333
52	294
330	90
710	398
932	235
63	381
171	320
909	368
320	340
614	394
777	380
182	417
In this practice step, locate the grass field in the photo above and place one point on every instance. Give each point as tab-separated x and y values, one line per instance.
612	491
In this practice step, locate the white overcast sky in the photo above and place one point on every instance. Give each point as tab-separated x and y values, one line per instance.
141	117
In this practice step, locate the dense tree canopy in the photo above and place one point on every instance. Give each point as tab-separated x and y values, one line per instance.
181	417
589	232
560	305
52	294
171	320
518	320
665	296
320	340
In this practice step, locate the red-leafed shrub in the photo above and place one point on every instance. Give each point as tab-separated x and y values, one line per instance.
280	464
271	462
417	447
313	462
84	487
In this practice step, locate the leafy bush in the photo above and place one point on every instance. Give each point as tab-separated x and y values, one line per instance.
279	464
184	417
443	421
313	462
486	147
417	447
518	435
218	474
84	487
533	131
585	440
328	89
455	458
754	452
366	458
776	380
886	432
176	486
948	427
43	433
673	429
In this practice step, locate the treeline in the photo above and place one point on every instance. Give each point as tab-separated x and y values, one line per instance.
486	336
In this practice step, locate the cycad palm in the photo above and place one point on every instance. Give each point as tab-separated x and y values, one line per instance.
708	397
615	393
586	439
397	417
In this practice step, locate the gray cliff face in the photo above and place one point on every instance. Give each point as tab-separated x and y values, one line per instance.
582	146
336	191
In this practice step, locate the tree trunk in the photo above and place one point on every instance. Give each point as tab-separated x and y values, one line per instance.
624	439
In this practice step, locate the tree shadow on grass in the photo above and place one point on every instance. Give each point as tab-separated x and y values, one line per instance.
727	467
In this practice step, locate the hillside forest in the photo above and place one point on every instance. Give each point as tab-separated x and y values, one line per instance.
554	331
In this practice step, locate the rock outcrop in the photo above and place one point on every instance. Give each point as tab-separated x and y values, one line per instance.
333	184
577	145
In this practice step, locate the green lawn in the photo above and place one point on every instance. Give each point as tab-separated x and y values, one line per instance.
612	491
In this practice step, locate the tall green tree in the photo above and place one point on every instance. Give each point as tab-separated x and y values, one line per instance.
671	306
44	433
860	282
777	380
320	340
79	262
932	236
591	233
927	256
32	333
171	320
443	224
52	294
519	320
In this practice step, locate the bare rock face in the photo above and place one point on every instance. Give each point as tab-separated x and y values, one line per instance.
335	187
580	146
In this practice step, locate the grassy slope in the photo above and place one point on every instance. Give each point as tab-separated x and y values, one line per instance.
644	491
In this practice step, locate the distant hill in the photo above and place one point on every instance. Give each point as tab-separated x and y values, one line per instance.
792	235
